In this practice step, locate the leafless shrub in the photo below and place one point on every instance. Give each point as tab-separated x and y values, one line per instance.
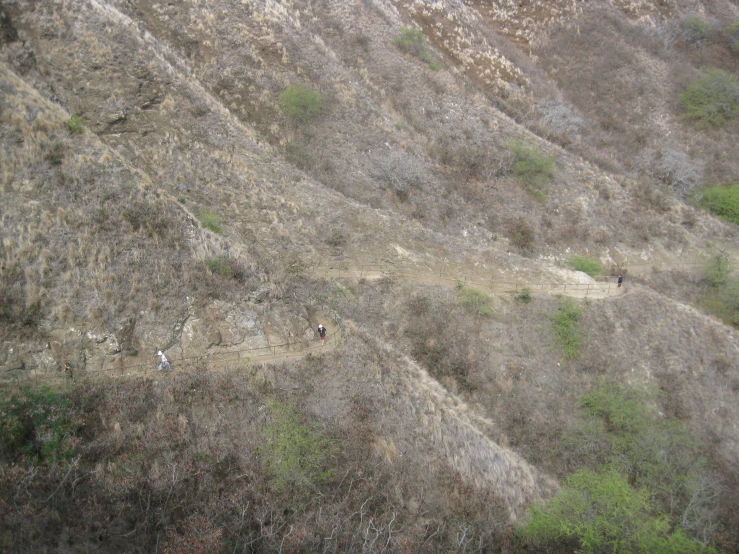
559	117
398	171
672	167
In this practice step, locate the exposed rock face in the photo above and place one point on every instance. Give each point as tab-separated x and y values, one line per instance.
223	325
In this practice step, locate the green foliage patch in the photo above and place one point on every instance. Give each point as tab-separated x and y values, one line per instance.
76	124
38	424
602	512
224	266
649	492
721	293
721	201
524	296
474	301
533	168
295	453
711	100
211	221
696	29
413	42
586	265
300	103
566	328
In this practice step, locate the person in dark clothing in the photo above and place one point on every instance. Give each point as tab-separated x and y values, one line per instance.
322	333
620	280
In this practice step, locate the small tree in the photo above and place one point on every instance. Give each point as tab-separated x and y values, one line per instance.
300	103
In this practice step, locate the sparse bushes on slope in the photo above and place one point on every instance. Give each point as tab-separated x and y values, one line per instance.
711	100
300	103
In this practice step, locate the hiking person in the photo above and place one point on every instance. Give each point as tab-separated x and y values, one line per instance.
620	280
164	364
322	333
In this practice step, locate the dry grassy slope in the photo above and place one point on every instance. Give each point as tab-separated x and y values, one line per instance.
186	94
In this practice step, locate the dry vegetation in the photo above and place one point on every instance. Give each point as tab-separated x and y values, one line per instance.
188	176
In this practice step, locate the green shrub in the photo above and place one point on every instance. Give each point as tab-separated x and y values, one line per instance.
300	103
654	453
55	154
696	29
76	124
732	35
211	221
524	296
602	512
711	100
586	265
721	293
220	265
413	42
566	328
532	168
295	452
39	424
716	273
475	302
651	478
722	201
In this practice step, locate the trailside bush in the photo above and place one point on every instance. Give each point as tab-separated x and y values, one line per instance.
532	168
711	100
300	103
475	302
722	201
586	265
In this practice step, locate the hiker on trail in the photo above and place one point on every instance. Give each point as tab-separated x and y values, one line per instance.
620	281
322	333
164	365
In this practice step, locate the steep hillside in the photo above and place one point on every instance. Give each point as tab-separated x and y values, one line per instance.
215	178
